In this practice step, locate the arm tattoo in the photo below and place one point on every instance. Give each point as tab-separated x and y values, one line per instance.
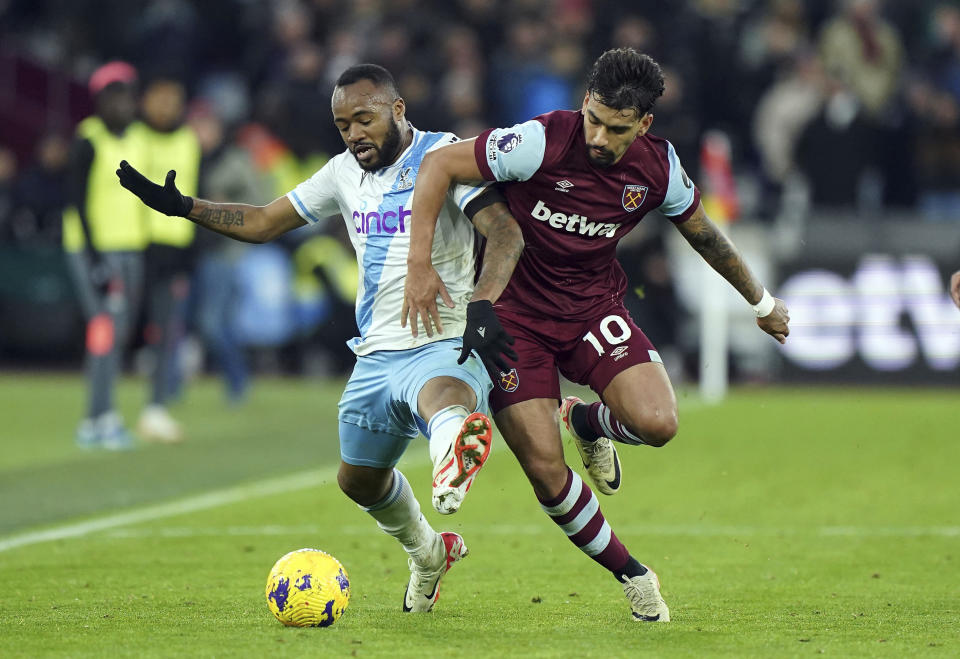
722	255
211	217
504	246
227	219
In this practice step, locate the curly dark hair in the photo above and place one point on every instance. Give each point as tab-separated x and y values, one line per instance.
378	75
622	78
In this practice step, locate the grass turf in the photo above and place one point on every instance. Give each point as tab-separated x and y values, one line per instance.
785	522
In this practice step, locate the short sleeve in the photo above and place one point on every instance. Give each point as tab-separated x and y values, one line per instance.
682	196
511	154
461	194
464	194
316	198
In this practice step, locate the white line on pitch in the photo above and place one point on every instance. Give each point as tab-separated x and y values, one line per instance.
545	529
214	499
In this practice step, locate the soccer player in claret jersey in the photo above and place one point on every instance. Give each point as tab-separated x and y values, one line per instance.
399	387
578	182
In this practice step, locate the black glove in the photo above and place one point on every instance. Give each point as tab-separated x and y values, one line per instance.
166	199
485	335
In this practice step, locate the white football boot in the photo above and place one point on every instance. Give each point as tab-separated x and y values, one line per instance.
645	600
424	586
599	458
156	425
454	471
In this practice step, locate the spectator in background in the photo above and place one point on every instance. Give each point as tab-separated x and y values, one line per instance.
104	235
170	258
937	118
227	173
783	112
943	60
836	148
300	91
771	41
461	84
934	100
8	177
523	85
864	51
41	192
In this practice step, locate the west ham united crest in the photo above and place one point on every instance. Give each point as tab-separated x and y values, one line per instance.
633	196
509	381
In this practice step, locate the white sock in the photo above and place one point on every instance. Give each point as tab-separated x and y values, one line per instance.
398	514
443	427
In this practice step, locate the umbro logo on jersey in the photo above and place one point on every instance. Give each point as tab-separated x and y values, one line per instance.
573	223
619	353
563	186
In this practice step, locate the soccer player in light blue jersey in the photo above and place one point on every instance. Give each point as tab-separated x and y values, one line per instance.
401	385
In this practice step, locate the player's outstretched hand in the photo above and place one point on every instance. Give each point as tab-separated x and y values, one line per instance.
166	199
955	287
420	291
777	322
485	335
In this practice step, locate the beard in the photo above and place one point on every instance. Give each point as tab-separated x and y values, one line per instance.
386	153
604	159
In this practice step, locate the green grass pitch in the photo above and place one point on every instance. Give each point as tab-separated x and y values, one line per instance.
784	522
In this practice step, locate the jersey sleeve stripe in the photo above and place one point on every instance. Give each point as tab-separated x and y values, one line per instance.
691	209
470	196
301	208
682	197
480	153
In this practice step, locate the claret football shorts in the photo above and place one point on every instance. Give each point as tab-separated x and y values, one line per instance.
588	352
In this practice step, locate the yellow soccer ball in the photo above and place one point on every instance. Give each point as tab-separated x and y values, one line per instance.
308	588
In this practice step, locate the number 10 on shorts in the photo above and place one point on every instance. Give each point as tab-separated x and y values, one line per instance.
614	330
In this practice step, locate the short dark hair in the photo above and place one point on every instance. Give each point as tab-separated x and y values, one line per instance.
376	74
622	78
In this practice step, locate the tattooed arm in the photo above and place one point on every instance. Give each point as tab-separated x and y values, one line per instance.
483	334
504	245
722	255
250	224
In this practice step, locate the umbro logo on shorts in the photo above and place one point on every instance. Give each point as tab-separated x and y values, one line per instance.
619	353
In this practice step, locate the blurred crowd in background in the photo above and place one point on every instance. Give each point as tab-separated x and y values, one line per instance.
861	97
850	104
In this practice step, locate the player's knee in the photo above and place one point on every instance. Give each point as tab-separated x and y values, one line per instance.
661	430
348	484
360	487
655	428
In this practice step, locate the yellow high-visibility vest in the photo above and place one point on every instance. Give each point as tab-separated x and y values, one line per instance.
177	150
115	216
